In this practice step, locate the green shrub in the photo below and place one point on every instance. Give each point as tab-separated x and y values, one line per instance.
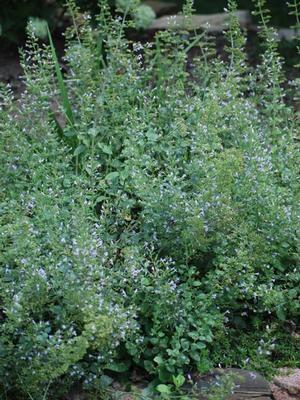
149	215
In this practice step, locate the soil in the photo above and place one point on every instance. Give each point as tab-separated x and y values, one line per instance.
10	69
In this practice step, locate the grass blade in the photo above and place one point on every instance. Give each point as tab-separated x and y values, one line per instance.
61	83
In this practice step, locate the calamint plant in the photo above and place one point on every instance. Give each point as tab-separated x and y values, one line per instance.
149	208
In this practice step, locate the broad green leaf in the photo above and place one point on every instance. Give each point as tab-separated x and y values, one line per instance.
80	149
164	389
112	175
106	149
105	381
119	366
158	360
164	375
281	314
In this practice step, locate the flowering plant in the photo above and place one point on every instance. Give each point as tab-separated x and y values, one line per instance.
149	212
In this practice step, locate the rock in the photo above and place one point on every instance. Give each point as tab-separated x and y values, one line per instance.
210	22
289	379
281	394
116	385
248	385
288	34
161	8
127	396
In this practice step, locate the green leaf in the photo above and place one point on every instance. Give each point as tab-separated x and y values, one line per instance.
158	360
293	293
150	390
196	357
66	183
152	136
164	375
93	132
149	365
99	199
69	133
178	380
164	389
80	149
106	381
106	149
280	314
196	283
145	282
111	176
119	366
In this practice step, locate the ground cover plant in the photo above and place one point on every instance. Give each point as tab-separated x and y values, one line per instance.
149	209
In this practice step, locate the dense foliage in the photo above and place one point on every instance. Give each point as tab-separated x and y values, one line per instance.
149	209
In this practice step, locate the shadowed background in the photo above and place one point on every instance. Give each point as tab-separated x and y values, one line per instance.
14	14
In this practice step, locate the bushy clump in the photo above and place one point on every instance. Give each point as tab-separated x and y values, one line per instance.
149	215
